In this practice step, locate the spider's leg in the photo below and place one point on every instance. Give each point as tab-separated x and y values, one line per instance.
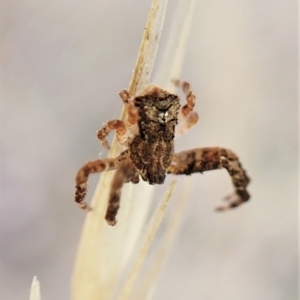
136	178
125	173
187	116
205	159
132	112
95	166
183	126
121	133
190	98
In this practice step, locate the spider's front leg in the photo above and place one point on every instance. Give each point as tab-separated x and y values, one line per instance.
95	166
132	112
187	117
205	159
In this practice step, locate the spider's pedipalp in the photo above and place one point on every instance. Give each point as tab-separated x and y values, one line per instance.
121	132
95	166
190	120
205	159
125	173
190	98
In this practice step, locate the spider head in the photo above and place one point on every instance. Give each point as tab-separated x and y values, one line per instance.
157	105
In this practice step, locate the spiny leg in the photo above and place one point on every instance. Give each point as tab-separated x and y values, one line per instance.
90	167
187	116
205	159
121	133
125	173
132	112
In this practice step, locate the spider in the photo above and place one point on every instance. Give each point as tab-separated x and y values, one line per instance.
154	118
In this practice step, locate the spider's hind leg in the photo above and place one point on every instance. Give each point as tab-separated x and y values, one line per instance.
205	159
126	172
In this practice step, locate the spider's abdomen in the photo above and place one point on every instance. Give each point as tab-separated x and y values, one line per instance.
151	158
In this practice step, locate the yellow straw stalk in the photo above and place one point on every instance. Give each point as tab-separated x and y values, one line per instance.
101	248
104	251
35	293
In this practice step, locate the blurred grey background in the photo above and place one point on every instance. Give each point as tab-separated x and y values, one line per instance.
63	63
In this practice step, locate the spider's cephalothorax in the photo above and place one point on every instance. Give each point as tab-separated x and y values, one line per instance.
153	119
152	148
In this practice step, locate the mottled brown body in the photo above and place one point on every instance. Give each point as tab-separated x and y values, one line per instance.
148	132
151	150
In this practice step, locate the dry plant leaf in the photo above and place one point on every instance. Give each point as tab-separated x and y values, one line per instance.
176	46
35	293
100	254
150	278
154	223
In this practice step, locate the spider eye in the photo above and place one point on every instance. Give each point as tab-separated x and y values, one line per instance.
164	114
